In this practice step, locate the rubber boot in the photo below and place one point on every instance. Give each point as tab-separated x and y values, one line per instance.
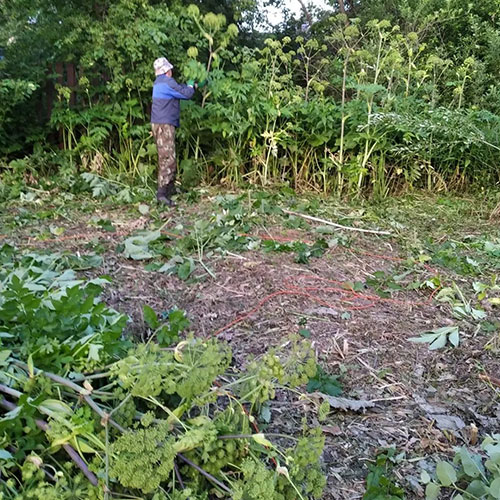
163	195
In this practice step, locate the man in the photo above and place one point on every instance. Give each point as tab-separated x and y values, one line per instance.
165	113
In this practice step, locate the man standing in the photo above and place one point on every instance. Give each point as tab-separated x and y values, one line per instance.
165	114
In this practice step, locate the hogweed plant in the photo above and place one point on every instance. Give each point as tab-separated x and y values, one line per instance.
91	414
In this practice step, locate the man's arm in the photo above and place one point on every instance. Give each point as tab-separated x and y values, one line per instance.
181	91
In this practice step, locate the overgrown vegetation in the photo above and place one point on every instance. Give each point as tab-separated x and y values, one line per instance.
360	101
388	96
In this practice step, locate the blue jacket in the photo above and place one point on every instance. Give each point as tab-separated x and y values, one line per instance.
166	100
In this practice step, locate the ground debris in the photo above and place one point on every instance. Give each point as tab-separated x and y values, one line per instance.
345	404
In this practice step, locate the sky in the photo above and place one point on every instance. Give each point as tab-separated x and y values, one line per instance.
275	15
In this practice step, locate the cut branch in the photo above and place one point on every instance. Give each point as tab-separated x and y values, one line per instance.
306	12
44	426
205	473
328	223
80	391
491	380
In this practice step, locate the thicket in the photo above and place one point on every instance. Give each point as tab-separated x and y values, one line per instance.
390	95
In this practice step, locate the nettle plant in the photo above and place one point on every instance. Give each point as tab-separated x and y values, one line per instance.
90	414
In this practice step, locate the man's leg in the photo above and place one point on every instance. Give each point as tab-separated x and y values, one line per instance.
164	135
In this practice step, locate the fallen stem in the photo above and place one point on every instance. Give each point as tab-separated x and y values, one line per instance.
205	473
44	426
179	477
491	380
329	223
251	436
11	392
79	390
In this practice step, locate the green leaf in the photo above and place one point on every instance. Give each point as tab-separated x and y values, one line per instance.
492	248
432	491
454	337
471	467
5	455
446	473
265	413
185	269
94	351
494	489
261	439
143	208
150	317
477	489
305	333
178	320
424	338
4	355
438	338
56	231
106	225
55	408
438	343
424	477
325	383
137	247
31	368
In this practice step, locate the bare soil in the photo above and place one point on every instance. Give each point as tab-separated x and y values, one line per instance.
425	402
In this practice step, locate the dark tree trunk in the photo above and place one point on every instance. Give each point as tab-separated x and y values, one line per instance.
71	76
306	12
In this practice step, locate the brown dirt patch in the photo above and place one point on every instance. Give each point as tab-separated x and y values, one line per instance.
425	402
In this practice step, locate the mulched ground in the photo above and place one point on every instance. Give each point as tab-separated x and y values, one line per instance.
424	402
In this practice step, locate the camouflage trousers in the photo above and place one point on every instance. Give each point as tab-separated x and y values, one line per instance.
164	135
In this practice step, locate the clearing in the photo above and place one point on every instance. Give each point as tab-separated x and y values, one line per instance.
247	271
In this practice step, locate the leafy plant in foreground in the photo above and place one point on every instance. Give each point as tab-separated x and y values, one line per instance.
470	476
52	316
379	483
136	420
166	332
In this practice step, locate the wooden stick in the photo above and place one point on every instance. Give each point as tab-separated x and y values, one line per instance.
327	222
205	473
491	380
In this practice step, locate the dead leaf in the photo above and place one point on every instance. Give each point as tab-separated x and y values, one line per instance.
345	403
448	422
326	311
334	430
473	433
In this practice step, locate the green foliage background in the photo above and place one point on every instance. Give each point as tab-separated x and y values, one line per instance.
392	95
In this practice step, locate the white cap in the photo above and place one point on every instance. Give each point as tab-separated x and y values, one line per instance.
161	66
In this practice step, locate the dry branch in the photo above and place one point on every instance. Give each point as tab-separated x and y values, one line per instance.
334	224
491	380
